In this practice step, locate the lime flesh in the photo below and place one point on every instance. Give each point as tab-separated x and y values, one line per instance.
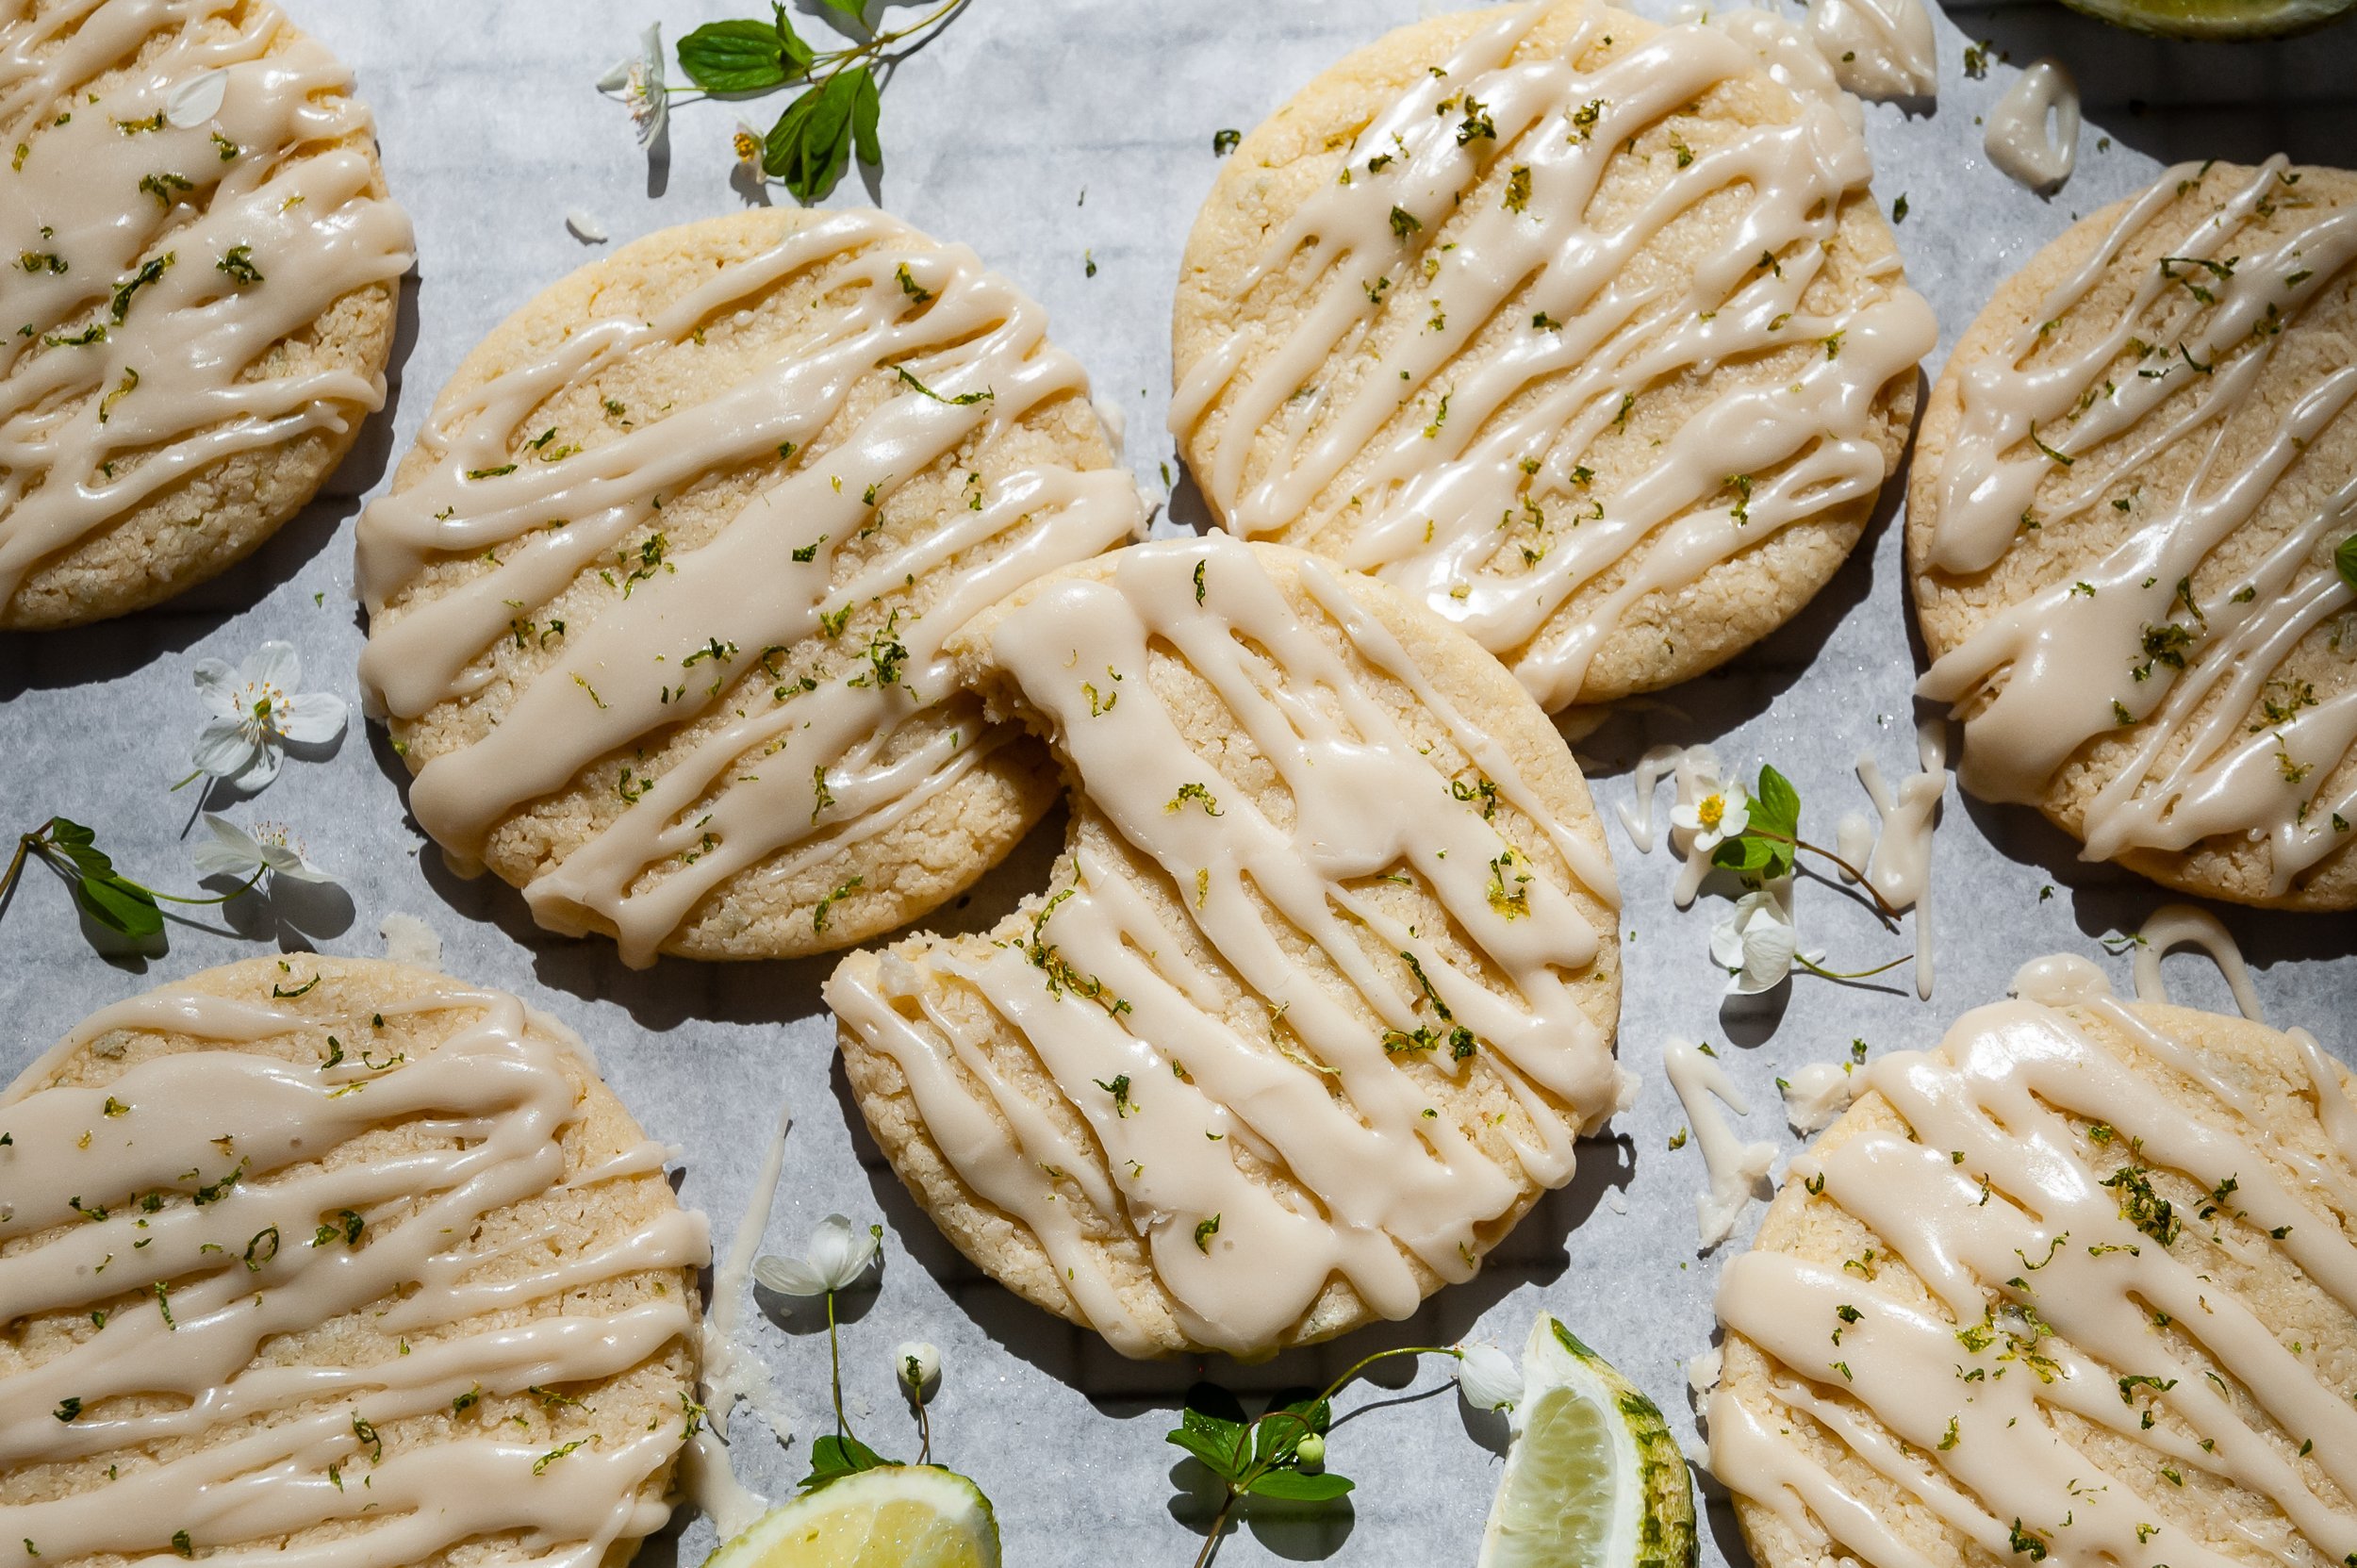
899	1516
1593	1478
2216	19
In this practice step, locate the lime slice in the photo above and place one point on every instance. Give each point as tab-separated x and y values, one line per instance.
1593	1478
2216	18
899	1516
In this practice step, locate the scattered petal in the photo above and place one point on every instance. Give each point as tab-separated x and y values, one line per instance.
196	100
585	227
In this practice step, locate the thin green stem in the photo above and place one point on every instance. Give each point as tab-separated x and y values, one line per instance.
1887	910
835	1356
1219	1527
25	844
244	887
1857	974
924	1429
185	783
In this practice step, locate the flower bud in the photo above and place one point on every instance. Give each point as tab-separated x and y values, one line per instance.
1488	1378
1311	1451
918	1365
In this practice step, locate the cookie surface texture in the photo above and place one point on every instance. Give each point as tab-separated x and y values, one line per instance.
336	1261
656	603
1584	331
1319	996
2133	480
2076	1287
202	290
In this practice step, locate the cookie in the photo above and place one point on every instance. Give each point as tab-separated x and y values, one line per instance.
656	605
1585	330
2078	1285
2132	478
1319	994
202	287
325	1260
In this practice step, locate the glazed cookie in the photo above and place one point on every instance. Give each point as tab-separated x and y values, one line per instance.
655	606
201	295
2133	479
1584	331
331	1260
1319	996
2078	1285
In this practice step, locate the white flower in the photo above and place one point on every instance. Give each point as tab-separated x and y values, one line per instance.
916	1364
1719	816
838	1256
1488	1378
255	711
638	83
1756	944
239	852
750	149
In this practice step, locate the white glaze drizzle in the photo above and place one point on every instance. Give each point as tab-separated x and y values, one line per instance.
120	221
2001	1182
1877	48
2039	680
1484	513
1297	1069
1819	1092
2182	926
729	1369
2032	133
184	1123
747	794
1895	851
1737	1171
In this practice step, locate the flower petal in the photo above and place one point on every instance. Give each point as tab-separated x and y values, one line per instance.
1767	946
231	850
1737	818
1684	815
617	78
916	1364
1726	945
223	748
217	685
259	769
196	100
277	664
1488	1378
311	717
788	1277
585	226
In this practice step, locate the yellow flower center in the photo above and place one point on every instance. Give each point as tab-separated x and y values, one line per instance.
1712	811
748	146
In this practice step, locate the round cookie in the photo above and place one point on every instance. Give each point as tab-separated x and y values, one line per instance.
1317	998
1585	330
2077	1285
656	605
2130	485
339	1260
202	288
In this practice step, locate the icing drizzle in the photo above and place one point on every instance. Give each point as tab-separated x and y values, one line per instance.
183	1228
1466	482
2211	740
161	242
1270	1010
2035	1158
789	672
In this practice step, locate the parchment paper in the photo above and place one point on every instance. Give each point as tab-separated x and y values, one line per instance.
1049	133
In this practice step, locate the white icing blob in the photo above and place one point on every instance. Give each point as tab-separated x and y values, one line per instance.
1817	1094
410	940
1878	48
2019	139
1737	1171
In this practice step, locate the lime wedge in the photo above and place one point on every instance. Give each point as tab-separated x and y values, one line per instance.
1593	1478
2221	19
899	1516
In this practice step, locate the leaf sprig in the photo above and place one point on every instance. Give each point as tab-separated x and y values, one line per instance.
107	896
1279	1453
837	111
1770	842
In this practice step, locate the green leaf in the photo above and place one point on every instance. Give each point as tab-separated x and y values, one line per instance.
867	107
1296	1487
1276	1437
2345	558
1745	854
1776	805
834	1458
1222	1455
811	145
80	846
118	906
742	57
855	9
